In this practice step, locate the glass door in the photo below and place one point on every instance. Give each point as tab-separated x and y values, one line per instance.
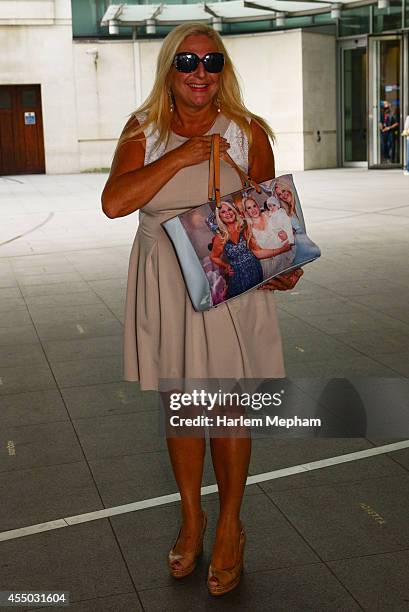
354	113
385	118
405	96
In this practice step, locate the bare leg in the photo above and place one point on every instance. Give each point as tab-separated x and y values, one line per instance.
187	458
231	458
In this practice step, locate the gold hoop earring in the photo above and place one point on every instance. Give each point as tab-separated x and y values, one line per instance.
171	105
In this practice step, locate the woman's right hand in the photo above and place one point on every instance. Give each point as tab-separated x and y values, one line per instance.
196	150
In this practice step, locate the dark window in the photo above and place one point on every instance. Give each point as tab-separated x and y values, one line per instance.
354	21
28	98
389	18
5	99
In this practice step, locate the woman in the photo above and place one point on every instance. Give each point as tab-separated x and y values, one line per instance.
268	236
235	244
160	167
282	190
303	249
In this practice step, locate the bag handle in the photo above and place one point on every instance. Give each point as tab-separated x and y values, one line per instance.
214	172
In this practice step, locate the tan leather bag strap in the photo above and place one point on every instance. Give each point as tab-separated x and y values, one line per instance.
210	187
214	172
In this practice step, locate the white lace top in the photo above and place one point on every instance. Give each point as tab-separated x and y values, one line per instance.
238	151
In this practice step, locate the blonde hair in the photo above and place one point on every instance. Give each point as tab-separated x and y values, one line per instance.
245	200
157	105
241	223
283	184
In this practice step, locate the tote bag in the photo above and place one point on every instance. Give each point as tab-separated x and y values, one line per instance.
237	242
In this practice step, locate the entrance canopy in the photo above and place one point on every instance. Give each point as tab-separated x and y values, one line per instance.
228	11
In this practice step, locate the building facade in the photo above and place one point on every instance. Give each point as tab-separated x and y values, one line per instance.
70	77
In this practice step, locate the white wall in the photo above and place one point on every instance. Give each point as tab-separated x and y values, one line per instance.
149	52
42	54
105	95
319	100
25	12
270	67
107	91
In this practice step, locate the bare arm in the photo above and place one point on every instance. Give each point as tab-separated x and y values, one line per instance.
265	253
131	185
216	254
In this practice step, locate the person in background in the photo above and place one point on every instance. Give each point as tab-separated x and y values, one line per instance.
387	126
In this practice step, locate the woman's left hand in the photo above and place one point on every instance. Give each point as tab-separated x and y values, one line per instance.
284	282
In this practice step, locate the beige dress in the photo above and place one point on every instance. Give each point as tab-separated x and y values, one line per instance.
164	337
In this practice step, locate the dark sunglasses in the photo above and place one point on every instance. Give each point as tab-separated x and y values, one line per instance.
188	62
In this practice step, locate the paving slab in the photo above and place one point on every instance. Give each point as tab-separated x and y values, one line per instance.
37	495
365	518
318	346
108	399
122	480
292	326
12	303
354	322
358	365
382	301
88	371
379	286
98	313
21	378
14	318
399	361
309	587
22	355
321	306
32	408
401	457
272	454
83	559
124	434
377	341
82	349
353	472
57	300
52	289
32	446
68	330
378	582
49	279
9	293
